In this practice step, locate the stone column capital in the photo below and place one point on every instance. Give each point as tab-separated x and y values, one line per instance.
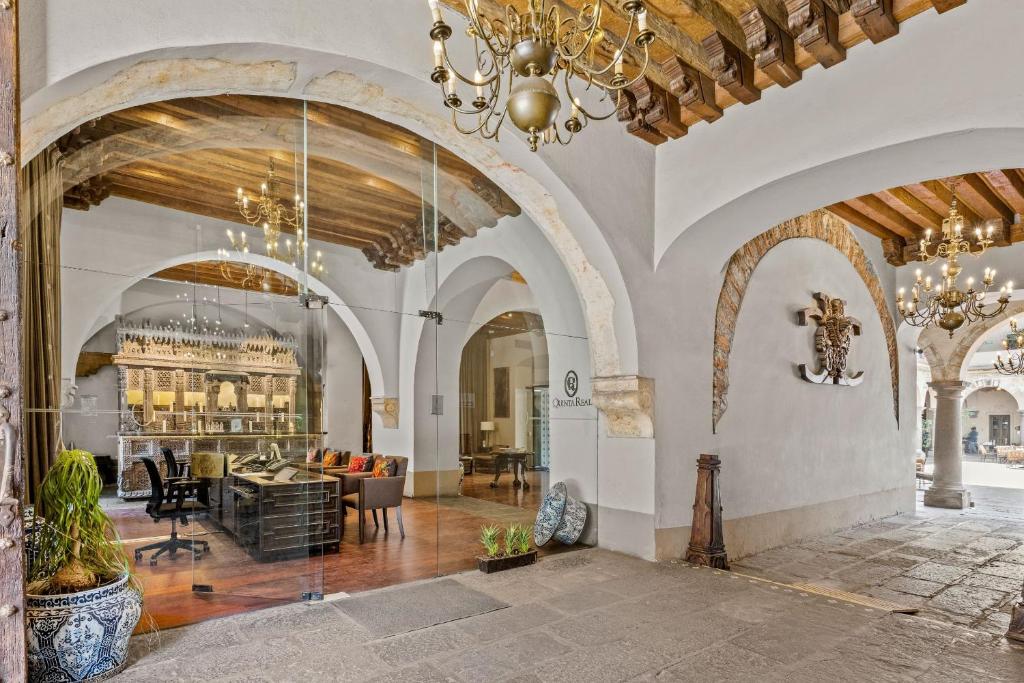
627	402
949	388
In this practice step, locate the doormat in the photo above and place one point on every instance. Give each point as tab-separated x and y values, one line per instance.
398	610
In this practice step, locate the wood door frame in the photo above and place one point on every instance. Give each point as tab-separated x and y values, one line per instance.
1009	428
13	665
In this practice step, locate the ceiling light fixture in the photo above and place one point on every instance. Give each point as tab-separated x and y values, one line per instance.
519	59
945	305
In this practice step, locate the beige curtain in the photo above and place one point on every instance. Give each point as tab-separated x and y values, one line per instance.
472	393
42	203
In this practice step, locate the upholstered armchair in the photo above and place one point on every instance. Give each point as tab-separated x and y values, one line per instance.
376	493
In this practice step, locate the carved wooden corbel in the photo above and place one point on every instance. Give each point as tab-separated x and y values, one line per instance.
816	27
694	90
946	5
732	68
894	251
772	47
875	18
649	113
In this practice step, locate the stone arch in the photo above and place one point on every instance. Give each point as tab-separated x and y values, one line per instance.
819	225
946	357
288	71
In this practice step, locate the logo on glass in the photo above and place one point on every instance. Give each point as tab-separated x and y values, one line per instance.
572	383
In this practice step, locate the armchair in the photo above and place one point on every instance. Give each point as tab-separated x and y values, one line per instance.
364	492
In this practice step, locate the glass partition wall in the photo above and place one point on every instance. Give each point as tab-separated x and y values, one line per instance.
310	352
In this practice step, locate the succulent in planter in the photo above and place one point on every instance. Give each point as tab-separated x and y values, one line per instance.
489	539
517	540
82	601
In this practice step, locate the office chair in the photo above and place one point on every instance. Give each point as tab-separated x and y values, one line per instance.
174	470
172	504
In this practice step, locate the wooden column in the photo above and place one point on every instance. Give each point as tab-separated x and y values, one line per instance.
268	405
13	665
180	385
707	544
148	386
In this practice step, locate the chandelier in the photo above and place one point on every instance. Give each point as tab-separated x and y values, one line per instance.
944	304
521	56
1013	365
275	220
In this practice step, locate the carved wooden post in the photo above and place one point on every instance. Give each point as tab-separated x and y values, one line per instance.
13	666
707	544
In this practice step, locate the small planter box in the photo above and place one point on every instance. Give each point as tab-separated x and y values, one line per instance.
489	565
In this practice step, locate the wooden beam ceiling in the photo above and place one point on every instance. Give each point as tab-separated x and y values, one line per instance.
231	276
899	216
712	54
364	177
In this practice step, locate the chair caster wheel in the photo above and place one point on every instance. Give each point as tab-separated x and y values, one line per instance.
493	485
152	563
138	556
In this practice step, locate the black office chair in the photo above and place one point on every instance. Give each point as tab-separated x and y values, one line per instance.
174	470
175	505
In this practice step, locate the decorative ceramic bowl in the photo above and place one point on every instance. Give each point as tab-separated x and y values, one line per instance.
81	636
561	517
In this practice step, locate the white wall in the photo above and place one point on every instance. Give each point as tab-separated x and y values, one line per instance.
990	402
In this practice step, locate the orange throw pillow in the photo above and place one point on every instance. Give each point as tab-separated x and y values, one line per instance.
382	468
357	463
330	458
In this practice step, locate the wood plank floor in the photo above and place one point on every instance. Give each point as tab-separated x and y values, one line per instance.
441	538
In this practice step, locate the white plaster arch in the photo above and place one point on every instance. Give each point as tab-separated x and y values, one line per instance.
948	357
142	272
290	70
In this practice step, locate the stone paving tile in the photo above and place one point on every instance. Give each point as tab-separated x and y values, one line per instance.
870	547
993	543
897	558
867	574
1010	570
723	662
993	582
904	584
940	573
967	600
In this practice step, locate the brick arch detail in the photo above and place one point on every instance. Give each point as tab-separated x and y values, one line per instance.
820	225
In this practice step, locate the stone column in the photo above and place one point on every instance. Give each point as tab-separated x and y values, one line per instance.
947	489
148	383
1019	436
180	384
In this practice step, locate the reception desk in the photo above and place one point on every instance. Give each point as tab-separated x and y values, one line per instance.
274	519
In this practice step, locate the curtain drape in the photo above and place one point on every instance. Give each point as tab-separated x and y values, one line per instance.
472	393
42	203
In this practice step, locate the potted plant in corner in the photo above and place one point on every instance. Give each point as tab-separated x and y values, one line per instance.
81	602
517	551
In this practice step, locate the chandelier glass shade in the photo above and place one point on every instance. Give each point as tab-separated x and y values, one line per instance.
943	303
276	221
1014	363
527	64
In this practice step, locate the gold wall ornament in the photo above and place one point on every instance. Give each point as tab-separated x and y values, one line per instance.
945	304
831	341
545	46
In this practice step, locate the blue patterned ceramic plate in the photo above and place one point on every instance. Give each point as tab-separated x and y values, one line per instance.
550	514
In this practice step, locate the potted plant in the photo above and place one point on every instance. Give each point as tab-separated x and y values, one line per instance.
81	602
516	553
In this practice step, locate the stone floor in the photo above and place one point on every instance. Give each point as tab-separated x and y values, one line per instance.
958	566
593	616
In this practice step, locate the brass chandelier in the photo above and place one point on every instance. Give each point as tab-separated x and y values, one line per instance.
944	304
275	219
520	57
1014	364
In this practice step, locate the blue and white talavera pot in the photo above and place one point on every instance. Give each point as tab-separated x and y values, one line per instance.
81	636
561	517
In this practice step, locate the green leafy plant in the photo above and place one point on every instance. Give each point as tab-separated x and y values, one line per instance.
489	539
77	547
517	539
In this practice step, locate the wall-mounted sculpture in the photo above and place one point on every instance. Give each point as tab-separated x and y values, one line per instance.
831	341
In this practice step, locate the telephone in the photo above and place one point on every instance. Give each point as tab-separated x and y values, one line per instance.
248	459
275	465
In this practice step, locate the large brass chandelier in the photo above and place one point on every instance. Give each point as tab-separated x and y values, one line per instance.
276	221
521	56
1014	364
944	304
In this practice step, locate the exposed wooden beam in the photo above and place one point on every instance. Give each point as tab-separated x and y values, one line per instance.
851	215
13	665
718	16
877	210
815	26
946	5
976	186
927	217
945	195
875	18
1015	193
680	42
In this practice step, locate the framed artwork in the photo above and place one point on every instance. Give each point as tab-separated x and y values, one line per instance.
501	392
